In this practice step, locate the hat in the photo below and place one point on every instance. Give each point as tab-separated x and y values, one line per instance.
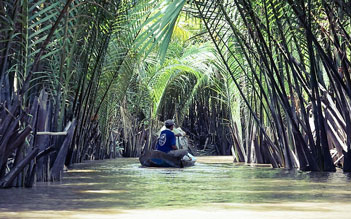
169	122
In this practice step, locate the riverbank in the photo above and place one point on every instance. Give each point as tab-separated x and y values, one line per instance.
214	188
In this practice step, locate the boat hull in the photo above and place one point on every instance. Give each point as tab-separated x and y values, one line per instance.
161	159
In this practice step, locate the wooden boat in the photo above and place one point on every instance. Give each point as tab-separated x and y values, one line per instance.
161	159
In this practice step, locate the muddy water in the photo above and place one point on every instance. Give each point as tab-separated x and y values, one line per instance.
121	189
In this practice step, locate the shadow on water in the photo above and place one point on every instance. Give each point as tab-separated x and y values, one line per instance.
123	184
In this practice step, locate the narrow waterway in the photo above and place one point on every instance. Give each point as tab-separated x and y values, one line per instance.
122	189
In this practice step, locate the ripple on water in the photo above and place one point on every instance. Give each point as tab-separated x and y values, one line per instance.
123	184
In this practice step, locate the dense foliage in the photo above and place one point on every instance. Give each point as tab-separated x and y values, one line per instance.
268	81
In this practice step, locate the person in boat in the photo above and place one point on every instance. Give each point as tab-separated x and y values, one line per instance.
167	141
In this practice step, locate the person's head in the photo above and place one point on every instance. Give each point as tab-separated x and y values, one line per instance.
169	123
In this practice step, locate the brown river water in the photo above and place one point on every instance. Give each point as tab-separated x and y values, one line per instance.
213	188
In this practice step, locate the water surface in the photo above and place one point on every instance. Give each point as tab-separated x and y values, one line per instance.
121	188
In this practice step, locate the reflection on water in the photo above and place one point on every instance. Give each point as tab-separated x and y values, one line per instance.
123	185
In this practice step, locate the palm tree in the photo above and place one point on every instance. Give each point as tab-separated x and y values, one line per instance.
276	87
280	57
58	49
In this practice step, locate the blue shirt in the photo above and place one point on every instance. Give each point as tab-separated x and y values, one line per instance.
166	140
